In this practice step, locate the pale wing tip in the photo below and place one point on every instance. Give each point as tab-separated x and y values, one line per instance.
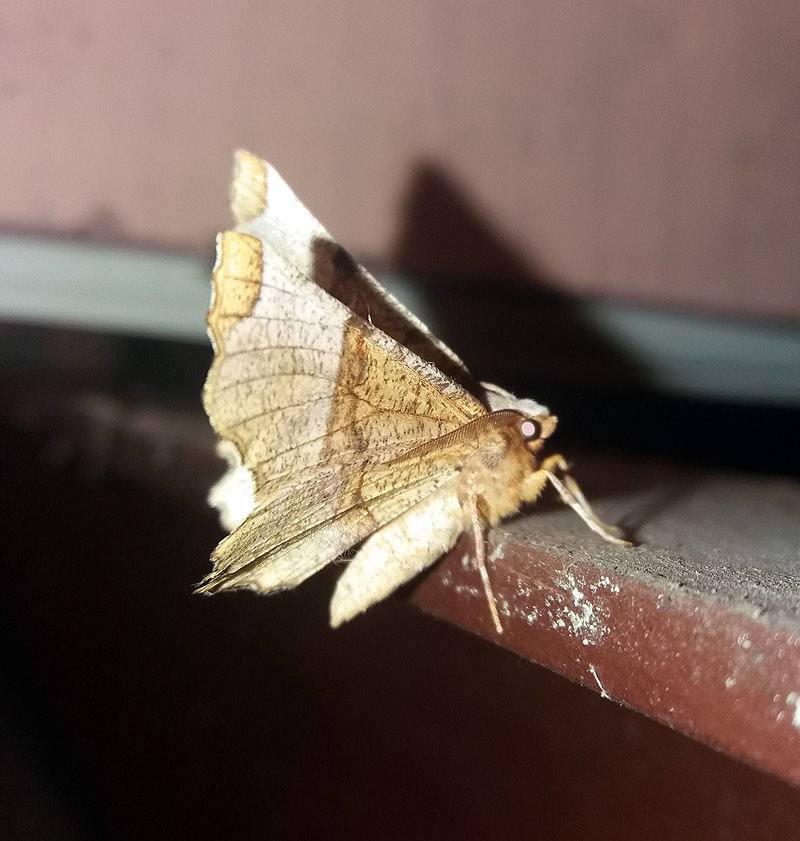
351	597
218	580
248	187
344	606
342	614
209	585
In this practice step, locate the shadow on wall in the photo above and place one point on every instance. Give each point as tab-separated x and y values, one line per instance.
503	315
511	325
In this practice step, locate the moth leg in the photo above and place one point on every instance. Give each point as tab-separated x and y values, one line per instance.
571	494
479	539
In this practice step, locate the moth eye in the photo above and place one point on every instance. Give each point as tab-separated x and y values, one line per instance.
531	429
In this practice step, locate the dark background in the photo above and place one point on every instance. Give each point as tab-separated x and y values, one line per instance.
132	708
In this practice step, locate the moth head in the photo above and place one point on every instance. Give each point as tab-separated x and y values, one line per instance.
536	429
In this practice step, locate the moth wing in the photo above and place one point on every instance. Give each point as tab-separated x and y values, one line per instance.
265	206
290	537
396	553
308	397
298	382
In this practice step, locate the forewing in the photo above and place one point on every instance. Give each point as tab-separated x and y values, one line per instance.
313	398
265	206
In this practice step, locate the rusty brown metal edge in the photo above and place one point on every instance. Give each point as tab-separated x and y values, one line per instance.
695	665
690	662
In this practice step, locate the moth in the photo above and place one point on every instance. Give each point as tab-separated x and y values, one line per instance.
345	422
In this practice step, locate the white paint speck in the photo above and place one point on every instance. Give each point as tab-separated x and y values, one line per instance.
503	606
793	699
730	682
581	617
498	553
604	583
523	590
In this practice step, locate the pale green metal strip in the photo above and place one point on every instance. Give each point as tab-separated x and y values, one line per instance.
71	284
165	295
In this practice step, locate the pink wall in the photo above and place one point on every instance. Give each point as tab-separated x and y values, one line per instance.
645	150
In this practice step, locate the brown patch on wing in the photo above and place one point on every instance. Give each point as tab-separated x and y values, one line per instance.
341	276
382	409
237	283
